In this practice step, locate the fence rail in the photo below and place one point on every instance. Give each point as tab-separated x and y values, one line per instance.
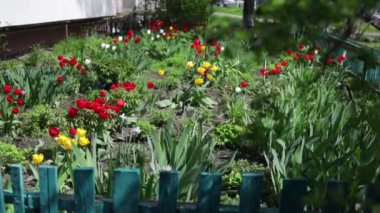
126	194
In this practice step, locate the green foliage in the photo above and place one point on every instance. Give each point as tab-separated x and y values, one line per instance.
188	11
111	70
10	154
40	83
36	56
162	117
189	152
146	127
40	118
228	135
312	134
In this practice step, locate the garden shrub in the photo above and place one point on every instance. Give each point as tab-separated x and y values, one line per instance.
227	135
40	118
188	11
10	154
162	117
112	70
145	126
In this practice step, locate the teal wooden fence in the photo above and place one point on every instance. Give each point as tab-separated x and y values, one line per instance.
126	194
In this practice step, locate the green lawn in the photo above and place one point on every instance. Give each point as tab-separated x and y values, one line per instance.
229	10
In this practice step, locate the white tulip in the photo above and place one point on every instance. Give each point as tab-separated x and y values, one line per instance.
316	52
152	38
158	36
161	31
120	38
113	48
103	45
107	46
222	49
136	131
238	90
148	31
87	61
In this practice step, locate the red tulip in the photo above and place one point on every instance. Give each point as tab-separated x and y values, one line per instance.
20	102
330	60
9	99
120	103
81	103
73	112
7	88
60	57
284	63
17	91
54	132
73	62
137	40
60	79
62	64
150	85
79	67
15	110
243	84
72	131
103	93
341	58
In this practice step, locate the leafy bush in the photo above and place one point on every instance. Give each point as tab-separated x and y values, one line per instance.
188	11
162	117
10	154
112	70
40	118
227	135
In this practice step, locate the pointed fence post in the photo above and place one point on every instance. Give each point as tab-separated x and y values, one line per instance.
293	195
168	191
126	190
250	193
336	196
48	189
18	191
2	203
84	190
209	192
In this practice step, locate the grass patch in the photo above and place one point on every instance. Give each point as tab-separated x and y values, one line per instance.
229	10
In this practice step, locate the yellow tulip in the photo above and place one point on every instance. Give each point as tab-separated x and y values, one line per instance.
214	68
201	70
189	65
210	77
171	28
198	81
83	141
203	47
74	141
62	139
206	64
81	132
68	145
161	72
37	158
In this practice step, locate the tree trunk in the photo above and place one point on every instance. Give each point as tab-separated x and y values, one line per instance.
248	12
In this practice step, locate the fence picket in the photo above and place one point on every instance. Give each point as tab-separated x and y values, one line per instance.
2	202
48	189
18	191
168	191
292	196
126	190
250	193
84	190
209	192
336	196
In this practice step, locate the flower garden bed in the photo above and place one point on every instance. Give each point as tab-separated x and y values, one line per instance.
164	98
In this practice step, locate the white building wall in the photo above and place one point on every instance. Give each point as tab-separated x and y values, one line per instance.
25	12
